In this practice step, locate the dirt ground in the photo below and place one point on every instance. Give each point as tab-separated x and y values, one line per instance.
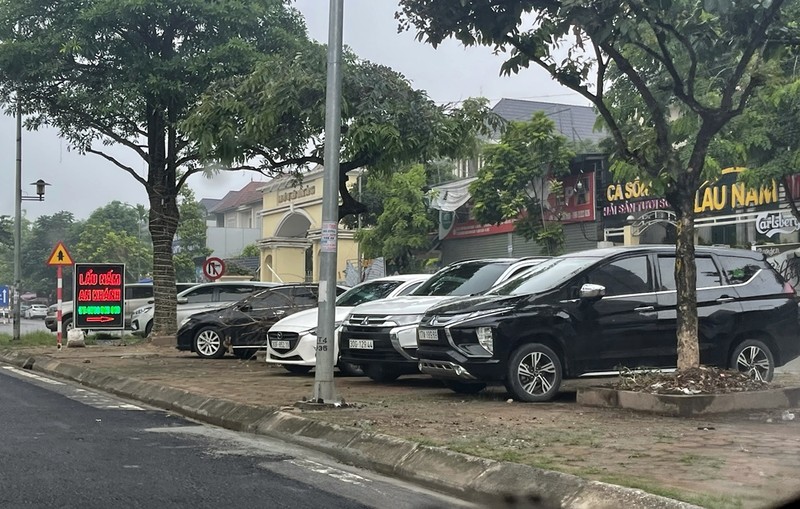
744	460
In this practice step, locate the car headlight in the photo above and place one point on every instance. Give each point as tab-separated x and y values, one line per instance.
140	311
405	319
313	331
485	338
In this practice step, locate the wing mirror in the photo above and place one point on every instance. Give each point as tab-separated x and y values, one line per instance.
591	291
183	300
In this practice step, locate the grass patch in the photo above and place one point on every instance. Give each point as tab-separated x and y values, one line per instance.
701	461
38	338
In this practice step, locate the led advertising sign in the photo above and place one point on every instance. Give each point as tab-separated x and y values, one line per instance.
99	296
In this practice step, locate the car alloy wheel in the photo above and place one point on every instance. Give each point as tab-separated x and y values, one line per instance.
754	358
208	343
534	373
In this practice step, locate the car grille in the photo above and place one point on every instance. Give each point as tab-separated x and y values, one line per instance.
291	337
382	348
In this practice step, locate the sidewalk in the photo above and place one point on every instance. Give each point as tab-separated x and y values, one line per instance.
743	460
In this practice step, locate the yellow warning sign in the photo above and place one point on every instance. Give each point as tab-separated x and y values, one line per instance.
60	256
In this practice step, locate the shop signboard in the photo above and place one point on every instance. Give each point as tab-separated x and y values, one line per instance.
99	295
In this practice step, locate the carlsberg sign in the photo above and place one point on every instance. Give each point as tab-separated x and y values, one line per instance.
770	223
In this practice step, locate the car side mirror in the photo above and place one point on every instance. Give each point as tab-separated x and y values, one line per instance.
183	300
591	291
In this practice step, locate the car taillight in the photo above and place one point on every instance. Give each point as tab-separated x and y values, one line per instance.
788	288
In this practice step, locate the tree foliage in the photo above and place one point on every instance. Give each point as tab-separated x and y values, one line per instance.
38	243
402	229
191	236
274	120
517	177
127	73
678	70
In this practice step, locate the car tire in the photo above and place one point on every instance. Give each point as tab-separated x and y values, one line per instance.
148	328
349	369
381	374
296	369
208	343
754	358
534	373
245	354
66	324
464	387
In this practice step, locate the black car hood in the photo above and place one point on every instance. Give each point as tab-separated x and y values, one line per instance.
459	305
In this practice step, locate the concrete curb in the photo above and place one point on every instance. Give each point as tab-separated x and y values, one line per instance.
689	406
458	474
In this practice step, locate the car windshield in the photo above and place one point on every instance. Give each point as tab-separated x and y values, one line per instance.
543	277
366	292
463	279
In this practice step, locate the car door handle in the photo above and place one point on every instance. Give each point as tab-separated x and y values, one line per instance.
645	309
725	299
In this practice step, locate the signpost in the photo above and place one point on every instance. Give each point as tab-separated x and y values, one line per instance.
99	301
213	268
5	302
59	257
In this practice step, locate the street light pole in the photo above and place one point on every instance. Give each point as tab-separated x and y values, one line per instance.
18	226
324	391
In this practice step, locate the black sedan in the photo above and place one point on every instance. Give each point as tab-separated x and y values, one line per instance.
243	326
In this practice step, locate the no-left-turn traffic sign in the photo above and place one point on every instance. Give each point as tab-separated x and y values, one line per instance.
213	268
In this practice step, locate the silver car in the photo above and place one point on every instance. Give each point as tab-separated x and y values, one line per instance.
199	298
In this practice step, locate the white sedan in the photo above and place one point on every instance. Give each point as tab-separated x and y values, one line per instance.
292	342
36	311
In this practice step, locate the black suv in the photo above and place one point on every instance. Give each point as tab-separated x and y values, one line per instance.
594	311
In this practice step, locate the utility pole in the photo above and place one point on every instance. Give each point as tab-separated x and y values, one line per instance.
18	227
324	390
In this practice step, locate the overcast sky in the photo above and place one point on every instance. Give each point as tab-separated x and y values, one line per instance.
450	73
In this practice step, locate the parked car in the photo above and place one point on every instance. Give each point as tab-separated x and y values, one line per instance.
293	340
198	298
589	313
243	326
136	296
36	311
381	336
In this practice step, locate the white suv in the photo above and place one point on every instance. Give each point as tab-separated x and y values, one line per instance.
293	340
199	298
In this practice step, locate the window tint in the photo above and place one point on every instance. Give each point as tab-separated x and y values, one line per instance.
623	277
305	295
139	292
543	277
204	294
410	288
463	279
269	299
234	292
707	273
366	292
739	270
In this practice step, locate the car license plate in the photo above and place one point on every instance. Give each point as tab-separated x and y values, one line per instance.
361	344
428	334
279	344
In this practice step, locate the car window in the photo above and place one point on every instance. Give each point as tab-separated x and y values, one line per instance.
543	277
707	274
270	299
739	270
410	288
463	279
304	295
366	292
623	277
139	292
234	292
203	294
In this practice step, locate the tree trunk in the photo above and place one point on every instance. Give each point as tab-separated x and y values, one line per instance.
686	283
164	216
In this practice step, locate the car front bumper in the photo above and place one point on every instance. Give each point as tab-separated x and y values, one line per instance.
447	363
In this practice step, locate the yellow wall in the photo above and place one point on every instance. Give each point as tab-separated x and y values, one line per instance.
290	224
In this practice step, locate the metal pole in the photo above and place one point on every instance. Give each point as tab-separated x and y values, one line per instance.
324	390
358	245
18	225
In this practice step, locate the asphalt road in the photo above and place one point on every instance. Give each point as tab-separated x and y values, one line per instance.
66	446
25	326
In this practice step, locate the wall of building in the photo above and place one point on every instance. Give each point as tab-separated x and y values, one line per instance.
229	242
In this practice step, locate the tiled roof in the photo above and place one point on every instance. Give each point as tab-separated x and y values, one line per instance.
251	263
249	194
209	203
574	122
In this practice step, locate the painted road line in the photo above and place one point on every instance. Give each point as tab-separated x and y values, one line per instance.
31	375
